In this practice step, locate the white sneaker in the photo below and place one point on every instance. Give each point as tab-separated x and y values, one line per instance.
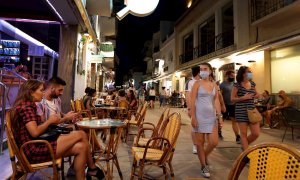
205	172
194	149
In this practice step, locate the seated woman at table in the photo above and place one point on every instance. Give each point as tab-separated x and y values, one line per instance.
86	91
27	125
133	103
88	101
121	96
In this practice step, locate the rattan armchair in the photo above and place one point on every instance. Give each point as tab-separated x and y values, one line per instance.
80	109
20	165
158	150
140	140
75	107
268	161
135	120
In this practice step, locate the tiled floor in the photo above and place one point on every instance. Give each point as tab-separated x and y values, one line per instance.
185	163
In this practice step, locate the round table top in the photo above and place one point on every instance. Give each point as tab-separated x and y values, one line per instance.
111	108
100	123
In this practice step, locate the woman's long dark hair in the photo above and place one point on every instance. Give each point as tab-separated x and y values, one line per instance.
132	96
240	74
24	95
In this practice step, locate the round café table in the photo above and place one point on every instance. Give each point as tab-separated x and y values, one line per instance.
110	152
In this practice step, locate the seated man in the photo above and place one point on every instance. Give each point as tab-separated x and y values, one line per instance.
51	105
283	103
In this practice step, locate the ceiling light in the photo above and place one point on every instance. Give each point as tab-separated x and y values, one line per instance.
189	4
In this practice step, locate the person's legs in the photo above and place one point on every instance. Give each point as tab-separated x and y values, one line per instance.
268	116
243	126
255	130
194	143
160	101
235	127
73	145
199	139
212	142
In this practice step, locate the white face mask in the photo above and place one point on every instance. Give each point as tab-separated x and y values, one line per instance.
204	74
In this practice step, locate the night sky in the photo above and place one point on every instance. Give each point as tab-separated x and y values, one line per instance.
133	32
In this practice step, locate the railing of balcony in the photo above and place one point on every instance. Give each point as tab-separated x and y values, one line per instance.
225	39
186	57
220	41
156	49
261	8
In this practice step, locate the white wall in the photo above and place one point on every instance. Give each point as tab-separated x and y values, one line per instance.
80	80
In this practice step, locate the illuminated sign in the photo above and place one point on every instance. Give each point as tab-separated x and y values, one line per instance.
139	8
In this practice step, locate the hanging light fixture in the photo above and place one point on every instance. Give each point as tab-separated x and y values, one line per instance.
138	8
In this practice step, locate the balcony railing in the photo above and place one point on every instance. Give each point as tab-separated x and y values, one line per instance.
261	8
156	49
220	41
186	57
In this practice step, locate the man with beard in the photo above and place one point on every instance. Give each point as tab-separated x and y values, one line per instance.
51	103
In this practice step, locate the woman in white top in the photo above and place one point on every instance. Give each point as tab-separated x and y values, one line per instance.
152	94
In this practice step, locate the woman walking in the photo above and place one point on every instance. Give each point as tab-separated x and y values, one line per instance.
152	95
243	94
205	109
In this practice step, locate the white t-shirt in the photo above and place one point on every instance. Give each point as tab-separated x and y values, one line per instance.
189	85
52	107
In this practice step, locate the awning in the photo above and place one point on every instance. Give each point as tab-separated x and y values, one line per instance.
25	38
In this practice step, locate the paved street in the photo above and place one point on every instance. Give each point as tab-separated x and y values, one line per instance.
185	163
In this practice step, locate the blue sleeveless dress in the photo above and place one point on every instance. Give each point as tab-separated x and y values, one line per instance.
205	111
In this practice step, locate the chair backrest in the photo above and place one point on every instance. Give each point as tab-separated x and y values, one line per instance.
159	129
291	114
73	105
142	114
14	151
172	128
268	161
123	103
78	105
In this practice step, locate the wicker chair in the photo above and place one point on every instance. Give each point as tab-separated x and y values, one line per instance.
158	150
20	165
140	140
268	161
79	108
136	120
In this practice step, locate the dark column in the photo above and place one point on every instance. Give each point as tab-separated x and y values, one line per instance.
66	62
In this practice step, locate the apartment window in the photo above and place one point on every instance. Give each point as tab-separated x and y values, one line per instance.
188	47
207	37
226	37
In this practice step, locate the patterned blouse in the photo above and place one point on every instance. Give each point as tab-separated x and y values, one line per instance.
36	153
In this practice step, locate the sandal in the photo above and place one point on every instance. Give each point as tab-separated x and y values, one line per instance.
99	175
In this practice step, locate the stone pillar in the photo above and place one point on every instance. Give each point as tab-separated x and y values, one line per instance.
66	62
241	23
